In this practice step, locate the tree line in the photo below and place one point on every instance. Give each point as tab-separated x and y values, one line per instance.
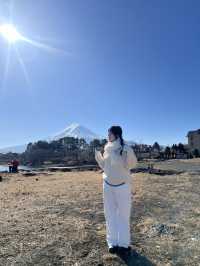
76	151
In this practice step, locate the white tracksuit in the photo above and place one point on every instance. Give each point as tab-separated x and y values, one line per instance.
117	199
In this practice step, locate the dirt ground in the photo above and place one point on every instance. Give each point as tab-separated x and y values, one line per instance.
57	219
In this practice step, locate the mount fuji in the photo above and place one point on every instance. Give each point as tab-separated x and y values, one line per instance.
74	130
77	131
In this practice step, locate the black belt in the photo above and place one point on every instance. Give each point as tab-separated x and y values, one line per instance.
113	184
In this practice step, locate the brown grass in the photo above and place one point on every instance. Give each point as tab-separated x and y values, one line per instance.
59	220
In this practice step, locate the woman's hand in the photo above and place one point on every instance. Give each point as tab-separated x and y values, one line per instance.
96	152
99	158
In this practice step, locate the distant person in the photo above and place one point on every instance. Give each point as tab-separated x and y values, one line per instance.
10	167
117	160
15	164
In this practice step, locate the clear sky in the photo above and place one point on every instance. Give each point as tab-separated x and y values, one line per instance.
135	63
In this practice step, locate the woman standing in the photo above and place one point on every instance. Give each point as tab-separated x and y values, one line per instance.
117	160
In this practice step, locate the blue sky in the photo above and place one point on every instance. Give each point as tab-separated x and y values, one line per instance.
132	63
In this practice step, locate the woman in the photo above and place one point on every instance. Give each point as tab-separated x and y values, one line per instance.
117	160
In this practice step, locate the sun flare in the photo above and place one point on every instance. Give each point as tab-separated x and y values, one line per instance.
9	32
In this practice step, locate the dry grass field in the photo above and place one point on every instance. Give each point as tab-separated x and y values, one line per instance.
57	219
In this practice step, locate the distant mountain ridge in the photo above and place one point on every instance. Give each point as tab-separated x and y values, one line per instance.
14	149
73	130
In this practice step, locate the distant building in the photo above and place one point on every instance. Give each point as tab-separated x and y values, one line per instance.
194	140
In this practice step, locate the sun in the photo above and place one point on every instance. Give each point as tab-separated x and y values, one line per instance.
9	32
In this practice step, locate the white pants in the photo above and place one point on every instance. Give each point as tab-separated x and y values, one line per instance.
117	209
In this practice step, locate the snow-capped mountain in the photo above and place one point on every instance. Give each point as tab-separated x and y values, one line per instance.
77	131
74	130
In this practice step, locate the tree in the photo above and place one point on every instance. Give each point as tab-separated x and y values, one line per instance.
95	143
29	146
156	146
70	143
181	148
167	152
55	145
174	150
196	153
42	144
82	143
104	141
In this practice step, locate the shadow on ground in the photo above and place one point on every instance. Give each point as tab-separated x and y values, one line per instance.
136	259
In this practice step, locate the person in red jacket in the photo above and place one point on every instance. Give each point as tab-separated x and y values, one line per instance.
15	164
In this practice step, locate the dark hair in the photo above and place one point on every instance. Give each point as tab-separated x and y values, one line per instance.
117	132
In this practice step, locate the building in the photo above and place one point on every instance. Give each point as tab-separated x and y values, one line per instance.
194	140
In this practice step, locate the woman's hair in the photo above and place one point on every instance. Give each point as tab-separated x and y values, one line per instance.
117	132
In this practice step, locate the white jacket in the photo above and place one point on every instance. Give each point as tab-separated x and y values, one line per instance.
116	167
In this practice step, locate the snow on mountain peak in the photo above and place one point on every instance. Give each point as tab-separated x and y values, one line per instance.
77	131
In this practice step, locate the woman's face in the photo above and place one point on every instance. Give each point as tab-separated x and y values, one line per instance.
111	136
